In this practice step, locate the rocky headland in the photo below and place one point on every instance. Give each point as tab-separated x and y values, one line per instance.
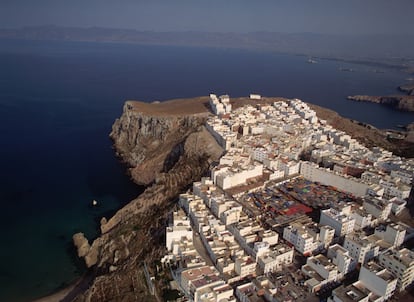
401	102
167	148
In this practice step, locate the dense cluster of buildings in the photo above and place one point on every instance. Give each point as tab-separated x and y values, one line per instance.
237	257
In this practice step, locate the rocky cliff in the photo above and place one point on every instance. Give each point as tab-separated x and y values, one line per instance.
167	148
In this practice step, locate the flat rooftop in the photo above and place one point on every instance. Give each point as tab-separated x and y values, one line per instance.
350	293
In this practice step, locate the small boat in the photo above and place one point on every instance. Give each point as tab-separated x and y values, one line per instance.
311	61
94	203
346	69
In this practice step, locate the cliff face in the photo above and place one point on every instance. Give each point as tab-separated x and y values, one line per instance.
148	143
167	152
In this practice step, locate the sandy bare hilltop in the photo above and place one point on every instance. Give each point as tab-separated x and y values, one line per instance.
178	107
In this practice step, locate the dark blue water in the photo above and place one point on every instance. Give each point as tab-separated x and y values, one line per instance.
58	101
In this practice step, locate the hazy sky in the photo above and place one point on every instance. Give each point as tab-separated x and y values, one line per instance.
319	16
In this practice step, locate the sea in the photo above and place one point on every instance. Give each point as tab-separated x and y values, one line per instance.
58	101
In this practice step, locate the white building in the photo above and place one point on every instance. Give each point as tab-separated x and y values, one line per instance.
291	168
350	293
339	220
404	176
401	264
277	174
255	96
230	216
397	205
342	259
392	233
320	270
180	230
245	266
269	236
362	218
195	279
304	240
371	177
360	247
274	259
378	280
313	172
245	234
216	294
257	249
220	105
246	293
326	235
265	288
394	188
235	177
378	208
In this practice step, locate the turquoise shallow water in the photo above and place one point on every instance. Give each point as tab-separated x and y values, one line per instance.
58	101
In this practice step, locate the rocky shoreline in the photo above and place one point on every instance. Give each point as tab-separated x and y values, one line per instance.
401	102
167	148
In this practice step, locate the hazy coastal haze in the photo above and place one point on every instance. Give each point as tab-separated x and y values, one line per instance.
319	16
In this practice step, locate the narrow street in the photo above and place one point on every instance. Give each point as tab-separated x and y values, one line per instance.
198	244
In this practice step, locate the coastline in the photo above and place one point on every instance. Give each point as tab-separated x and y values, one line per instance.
70	292
399	102
59	295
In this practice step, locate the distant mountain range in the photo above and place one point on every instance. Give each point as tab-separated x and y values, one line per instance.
389	50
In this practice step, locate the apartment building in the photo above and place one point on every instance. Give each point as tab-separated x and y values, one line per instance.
276	258
342	259
378	280
378	208
401	264
360	247
392	233
340	220
245	266
320	270
304	239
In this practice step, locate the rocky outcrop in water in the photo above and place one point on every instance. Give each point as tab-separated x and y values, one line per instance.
90	254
